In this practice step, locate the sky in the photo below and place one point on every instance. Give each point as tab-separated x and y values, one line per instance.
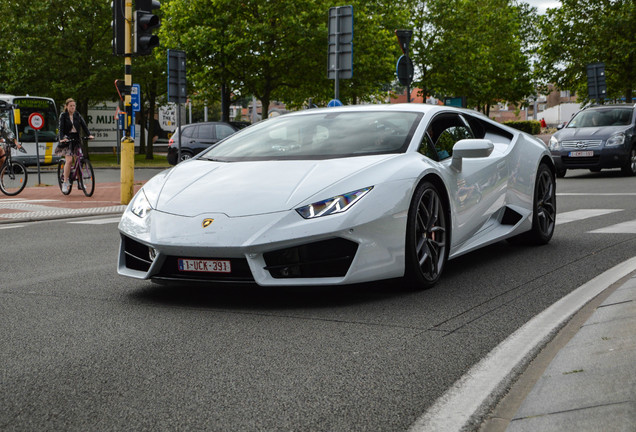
542	5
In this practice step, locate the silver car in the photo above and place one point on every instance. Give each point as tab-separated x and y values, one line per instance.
597	137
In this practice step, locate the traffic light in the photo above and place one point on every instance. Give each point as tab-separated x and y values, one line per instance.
119	30
145	22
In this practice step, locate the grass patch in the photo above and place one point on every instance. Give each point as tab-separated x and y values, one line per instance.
105	160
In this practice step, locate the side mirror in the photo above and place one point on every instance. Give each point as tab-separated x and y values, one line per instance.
470	148
560	126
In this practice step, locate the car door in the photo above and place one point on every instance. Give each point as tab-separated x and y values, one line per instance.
477	190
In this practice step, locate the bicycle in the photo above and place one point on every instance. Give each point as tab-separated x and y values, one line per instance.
81	171
13	174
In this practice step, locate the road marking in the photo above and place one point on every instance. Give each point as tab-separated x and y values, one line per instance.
465	401
10	226
621	228
596	194
98	221
581	214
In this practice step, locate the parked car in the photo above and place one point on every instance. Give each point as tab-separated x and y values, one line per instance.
339	196
197	137
597	137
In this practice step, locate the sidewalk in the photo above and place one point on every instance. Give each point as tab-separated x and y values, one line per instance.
570	368
590	385
47	202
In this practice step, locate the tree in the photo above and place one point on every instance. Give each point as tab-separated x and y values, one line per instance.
277	50
58	49
473	49
209	32
581	32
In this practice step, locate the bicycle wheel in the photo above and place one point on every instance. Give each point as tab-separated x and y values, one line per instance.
87	178
60	176
13	178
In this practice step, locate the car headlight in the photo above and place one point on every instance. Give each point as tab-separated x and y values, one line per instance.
616	139
554	144
140	206
337	204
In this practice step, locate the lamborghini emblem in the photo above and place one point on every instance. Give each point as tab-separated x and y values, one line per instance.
207	222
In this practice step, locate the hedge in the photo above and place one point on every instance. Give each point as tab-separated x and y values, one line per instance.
530	126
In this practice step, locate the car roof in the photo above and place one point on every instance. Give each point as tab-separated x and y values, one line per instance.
405	107
607	106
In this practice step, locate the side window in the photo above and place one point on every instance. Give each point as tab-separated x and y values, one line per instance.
450	136
223	131
206	131
189	132
445	130
427	148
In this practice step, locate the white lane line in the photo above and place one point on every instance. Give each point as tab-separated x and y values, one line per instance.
621	228
474	393
581	214
10	226
595	194
98	221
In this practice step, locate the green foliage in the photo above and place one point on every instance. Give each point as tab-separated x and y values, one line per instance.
529	126
473	49
57	49
277	50
581	32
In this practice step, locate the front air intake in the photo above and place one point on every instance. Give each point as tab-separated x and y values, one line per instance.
327	258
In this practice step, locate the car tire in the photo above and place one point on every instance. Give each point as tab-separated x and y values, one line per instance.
560	172
185	155
427	237
543	209
629	169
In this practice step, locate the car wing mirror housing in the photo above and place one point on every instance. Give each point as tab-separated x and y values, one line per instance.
470	148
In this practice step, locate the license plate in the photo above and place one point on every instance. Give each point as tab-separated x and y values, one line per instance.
206	266
581	154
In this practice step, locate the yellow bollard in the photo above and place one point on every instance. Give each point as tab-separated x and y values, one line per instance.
127	169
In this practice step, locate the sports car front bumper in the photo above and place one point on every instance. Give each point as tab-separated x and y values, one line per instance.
363	244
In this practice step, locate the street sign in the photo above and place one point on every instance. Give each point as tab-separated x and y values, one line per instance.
340	61
596	86
36	121
404	70
334	103
459	101
177	76
135	97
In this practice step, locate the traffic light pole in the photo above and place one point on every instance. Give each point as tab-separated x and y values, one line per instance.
127	167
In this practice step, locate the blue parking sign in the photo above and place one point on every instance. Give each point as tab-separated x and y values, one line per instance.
135	97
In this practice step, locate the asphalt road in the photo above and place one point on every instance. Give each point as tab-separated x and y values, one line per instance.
82	348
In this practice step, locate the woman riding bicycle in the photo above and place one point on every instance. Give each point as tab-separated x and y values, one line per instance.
70	124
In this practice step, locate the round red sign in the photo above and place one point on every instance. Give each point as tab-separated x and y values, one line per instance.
36	121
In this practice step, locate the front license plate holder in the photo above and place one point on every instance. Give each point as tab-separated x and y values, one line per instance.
204	265
588	153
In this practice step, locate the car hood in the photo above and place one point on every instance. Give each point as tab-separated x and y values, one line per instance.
249	188
599	133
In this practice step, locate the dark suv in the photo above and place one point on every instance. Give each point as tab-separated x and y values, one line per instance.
597	137
197	137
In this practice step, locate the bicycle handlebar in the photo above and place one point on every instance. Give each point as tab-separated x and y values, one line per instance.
21	149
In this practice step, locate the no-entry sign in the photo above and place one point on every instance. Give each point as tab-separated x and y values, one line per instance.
36	121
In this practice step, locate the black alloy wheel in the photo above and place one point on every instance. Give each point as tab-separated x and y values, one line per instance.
427	241
544	209
629	169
